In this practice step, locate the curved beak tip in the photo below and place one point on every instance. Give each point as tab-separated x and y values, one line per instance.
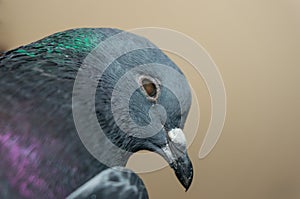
175	153
184	171
187	181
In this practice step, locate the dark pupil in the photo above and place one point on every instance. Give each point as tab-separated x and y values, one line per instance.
149	87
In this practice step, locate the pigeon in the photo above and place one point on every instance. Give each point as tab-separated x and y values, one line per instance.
115	182
138	106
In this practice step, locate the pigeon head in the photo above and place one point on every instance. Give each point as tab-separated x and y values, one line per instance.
142	102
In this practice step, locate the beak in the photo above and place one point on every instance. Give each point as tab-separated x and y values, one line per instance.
175	153
184	171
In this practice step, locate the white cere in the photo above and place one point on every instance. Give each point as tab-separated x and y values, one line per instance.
177	136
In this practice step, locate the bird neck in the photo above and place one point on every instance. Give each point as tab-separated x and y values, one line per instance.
106	152
117	157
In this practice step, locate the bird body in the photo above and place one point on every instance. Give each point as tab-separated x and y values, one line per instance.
41	152
37	133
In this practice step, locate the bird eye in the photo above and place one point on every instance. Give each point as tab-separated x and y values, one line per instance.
149	87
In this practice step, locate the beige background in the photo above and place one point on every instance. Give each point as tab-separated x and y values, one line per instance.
255	44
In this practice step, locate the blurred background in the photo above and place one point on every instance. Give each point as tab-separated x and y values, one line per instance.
256	46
